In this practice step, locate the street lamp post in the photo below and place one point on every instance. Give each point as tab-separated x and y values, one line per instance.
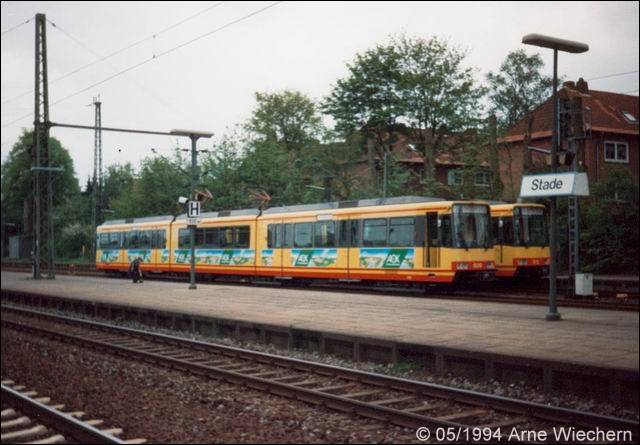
195	178
571	47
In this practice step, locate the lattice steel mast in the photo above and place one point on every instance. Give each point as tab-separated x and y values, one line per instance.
97	169
42	242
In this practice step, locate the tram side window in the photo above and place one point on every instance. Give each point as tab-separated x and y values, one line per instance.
131	239
288	236
103	241
374	232
401	232
356	228
303	235
183	238
212	237
110	240
158	240
507	231
242	237
199	237
444	234
274	236
145	239
324	234
226	237
495	226
343	233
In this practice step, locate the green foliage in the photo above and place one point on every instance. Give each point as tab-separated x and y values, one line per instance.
118	180
369	96
409	85
368	101
74	240
439	95
17	179
518	87
609	240
289	119
223	175
155	190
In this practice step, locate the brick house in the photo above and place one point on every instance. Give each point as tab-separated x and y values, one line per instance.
448	164
611	124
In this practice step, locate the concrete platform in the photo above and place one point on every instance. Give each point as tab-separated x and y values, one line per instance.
491	339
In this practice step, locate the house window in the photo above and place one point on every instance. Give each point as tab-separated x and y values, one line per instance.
483	179
454	177
616	152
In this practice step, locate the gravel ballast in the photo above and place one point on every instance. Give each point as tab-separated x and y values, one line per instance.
164	405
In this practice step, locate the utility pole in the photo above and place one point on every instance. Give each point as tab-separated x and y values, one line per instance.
42	241
97	171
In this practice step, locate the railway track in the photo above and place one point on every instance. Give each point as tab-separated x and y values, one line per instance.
520	297
388	399
27	418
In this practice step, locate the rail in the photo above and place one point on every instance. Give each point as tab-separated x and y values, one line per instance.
398	401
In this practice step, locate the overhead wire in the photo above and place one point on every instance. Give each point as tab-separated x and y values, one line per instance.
607	76
16	27
170	107
116	52
154	57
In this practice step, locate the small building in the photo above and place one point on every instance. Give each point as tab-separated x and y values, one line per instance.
611	136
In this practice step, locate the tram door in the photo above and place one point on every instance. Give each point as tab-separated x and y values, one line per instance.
431	240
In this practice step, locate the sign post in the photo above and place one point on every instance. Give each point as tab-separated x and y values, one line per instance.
552	185
193	212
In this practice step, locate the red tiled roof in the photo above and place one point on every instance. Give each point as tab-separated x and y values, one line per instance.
606	110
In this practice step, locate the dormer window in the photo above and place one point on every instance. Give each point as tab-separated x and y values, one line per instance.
630	117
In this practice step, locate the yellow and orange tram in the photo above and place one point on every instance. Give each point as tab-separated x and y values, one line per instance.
410	239
521	240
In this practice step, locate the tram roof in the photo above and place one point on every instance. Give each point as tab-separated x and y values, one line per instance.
353	204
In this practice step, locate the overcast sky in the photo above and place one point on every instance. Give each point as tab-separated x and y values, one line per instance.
209	84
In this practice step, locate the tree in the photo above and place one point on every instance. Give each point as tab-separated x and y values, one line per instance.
224	176
610	224
518	87
289	119
117	181
438	94
368	101
155	190
17	179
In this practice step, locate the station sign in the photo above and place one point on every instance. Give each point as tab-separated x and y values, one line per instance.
193	209
193	221
554	184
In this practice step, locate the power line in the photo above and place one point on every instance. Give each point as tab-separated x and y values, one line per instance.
612	75
170	107
16	27
116	52
139	64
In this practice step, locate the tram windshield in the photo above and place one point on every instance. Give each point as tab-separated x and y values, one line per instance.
471	228
530	227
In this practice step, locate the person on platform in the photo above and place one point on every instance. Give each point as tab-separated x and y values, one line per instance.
135	270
